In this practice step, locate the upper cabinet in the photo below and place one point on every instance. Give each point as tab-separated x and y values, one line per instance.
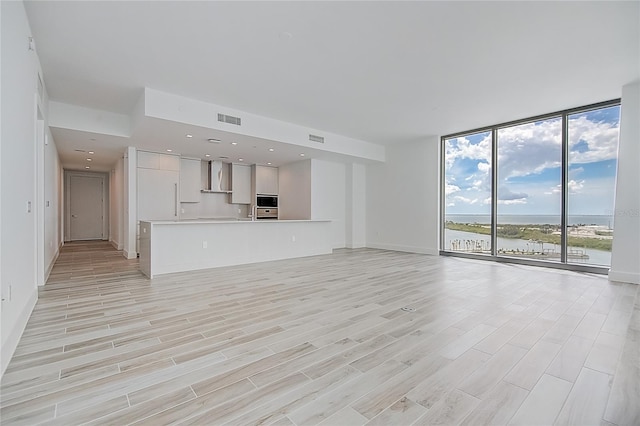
153	160
266	180
190	180
240	184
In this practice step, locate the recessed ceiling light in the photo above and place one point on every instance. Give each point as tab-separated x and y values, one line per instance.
234	143
91	152
269	164
207	155
169	150
240	159
189	136
213	140
87	167
271	149
89	159
301	155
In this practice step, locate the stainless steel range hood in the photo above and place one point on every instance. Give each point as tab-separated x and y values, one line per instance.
218	177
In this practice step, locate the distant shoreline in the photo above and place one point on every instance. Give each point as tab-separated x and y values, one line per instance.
596	237
515	219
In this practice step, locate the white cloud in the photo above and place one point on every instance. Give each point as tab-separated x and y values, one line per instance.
465	200
450	189
529	148
601	139
463	148
575	186
574	173
509	202
506	194
484	167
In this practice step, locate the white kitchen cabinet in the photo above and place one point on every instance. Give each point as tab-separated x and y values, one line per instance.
157	194
190	180
266	180
240	184
153	160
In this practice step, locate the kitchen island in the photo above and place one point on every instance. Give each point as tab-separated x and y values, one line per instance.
179	246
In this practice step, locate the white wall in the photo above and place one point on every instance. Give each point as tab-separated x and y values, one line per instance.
315	189
294	190
625	264
403	197
356	208
116	197
2	287
328	195
19	75
53	183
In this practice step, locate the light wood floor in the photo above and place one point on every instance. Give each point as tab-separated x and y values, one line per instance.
324	340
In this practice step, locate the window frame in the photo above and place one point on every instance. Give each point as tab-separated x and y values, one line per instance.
562	264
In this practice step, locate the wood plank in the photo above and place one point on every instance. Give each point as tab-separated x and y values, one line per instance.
544	402
587	401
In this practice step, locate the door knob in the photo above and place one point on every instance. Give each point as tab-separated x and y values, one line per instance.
74	215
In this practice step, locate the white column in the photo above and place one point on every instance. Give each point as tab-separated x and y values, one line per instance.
625	256
130	212
356	200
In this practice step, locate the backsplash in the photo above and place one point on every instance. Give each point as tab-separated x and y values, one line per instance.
213	205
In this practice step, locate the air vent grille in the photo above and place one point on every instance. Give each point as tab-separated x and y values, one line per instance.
316	138
229	119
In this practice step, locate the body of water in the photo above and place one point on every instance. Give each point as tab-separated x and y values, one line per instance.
601	220
596	257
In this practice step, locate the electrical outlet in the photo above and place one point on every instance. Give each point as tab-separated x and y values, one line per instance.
204	244
293	238
239	210
182	211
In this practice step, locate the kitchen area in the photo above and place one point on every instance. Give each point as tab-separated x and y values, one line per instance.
198	214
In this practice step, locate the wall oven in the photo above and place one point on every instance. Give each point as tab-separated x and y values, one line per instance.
267	201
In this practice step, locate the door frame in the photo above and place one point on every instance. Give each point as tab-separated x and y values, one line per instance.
67	201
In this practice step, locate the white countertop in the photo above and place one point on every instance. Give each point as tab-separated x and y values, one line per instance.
225	221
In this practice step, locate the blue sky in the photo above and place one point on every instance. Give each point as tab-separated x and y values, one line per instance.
529	167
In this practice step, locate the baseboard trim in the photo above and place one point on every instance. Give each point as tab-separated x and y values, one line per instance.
53	262
625	277
11	343
403	248
116	245
129	254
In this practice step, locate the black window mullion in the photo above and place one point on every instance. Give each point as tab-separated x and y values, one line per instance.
494	191
565	189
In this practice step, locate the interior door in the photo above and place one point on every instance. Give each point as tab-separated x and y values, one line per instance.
86	207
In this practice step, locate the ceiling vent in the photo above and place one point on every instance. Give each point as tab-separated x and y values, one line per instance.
316	138
229	119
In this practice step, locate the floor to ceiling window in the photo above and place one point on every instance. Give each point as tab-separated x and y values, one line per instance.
468	193
535	190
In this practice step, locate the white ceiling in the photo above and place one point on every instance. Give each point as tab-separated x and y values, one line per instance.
383	72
